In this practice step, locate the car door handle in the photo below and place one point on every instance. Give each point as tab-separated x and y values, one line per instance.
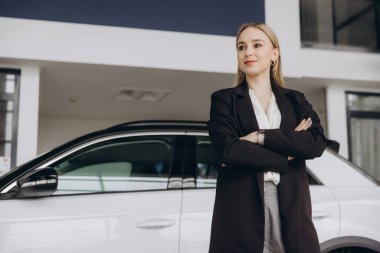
317	215
155	223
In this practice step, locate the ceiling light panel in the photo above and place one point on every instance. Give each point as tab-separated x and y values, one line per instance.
142	94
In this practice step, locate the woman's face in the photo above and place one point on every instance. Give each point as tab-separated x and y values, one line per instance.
255	52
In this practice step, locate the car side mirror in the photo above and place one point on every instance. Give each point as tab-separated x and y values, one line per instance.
42	183
334	145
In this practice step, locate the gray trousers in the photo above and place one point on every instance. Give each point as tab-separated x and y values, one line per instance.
273	238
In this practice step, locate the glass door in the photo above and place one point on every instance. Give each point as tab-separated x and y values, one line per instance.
9	91
363	115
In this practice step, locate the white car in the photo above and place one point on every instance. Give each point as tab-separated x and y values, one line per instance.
150	186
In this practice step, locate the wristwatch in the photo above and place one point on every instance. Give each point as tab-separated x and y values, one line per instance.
261	135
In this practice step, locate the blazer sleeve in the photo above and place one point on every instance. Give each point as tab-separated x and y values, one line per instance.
299	144
230	149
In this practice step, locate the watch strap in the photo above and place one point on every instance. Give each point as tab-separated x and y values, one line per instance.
261	136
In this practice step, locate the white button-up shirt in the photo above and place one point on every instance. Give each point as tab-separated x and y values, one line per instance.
267	120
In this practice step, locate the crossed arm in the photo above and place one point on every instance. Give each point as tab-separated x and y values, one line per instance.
254	136
306	141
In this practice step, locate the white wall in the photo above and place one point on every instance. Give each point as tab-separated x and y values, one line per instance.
28	114
53	132
337	117
340	65
67	42
283	17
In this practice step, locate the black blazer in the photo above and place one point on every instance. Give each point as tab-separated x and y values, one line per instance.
238	218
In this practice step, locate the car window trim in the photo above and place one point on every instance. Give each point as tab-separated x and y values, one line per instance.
107	138
194	179
86	144
110	192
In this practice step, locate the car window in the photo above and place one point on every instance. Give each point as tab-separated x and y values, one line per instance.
312	178
122	164
206	164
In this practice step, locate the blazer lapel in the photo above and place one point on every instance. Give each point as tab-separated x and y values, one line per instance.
245	113
288	119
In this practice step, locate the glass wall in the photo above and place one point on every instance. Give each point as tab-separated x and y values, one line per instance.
341	24
9	92
363	115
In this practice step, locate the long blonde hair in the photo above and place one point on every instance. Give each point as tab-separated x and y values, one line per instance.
276	68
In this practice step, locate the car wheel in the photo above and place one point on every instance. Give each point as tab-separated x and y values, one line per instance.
353	250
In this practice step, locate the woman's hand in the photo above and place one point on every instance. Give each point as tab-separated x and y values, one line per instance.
303	125
252	137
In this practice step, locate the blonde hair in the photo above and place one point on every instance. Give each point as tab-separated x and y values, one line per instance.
276	68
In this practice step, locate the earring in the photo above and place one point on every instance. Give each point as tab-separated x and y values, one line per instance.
273	62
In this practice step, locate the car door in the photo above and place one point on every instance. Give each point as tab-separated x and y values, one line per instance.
325	206
198	199
115	194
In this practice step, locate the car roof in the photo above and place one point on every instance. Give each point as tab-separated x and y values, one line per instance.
160	124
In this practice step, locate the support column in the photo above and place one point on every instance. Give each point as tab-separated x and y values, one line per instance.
337	117
28	114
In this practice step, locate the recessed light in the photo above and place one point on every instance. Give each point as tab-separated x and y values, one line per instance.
142	94
73	99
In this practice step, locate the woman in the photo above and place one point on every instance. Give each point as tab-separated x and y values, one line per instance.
262	133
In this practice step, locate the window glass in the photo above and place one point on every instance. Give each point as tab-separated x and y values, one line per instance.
365	148
7	149
6	106
123	164
206	162
311	179
363	102
363	113
340	24
7	83
9	97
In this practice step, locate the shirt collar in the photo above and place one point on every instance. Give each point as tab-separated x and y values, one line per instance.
242	88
